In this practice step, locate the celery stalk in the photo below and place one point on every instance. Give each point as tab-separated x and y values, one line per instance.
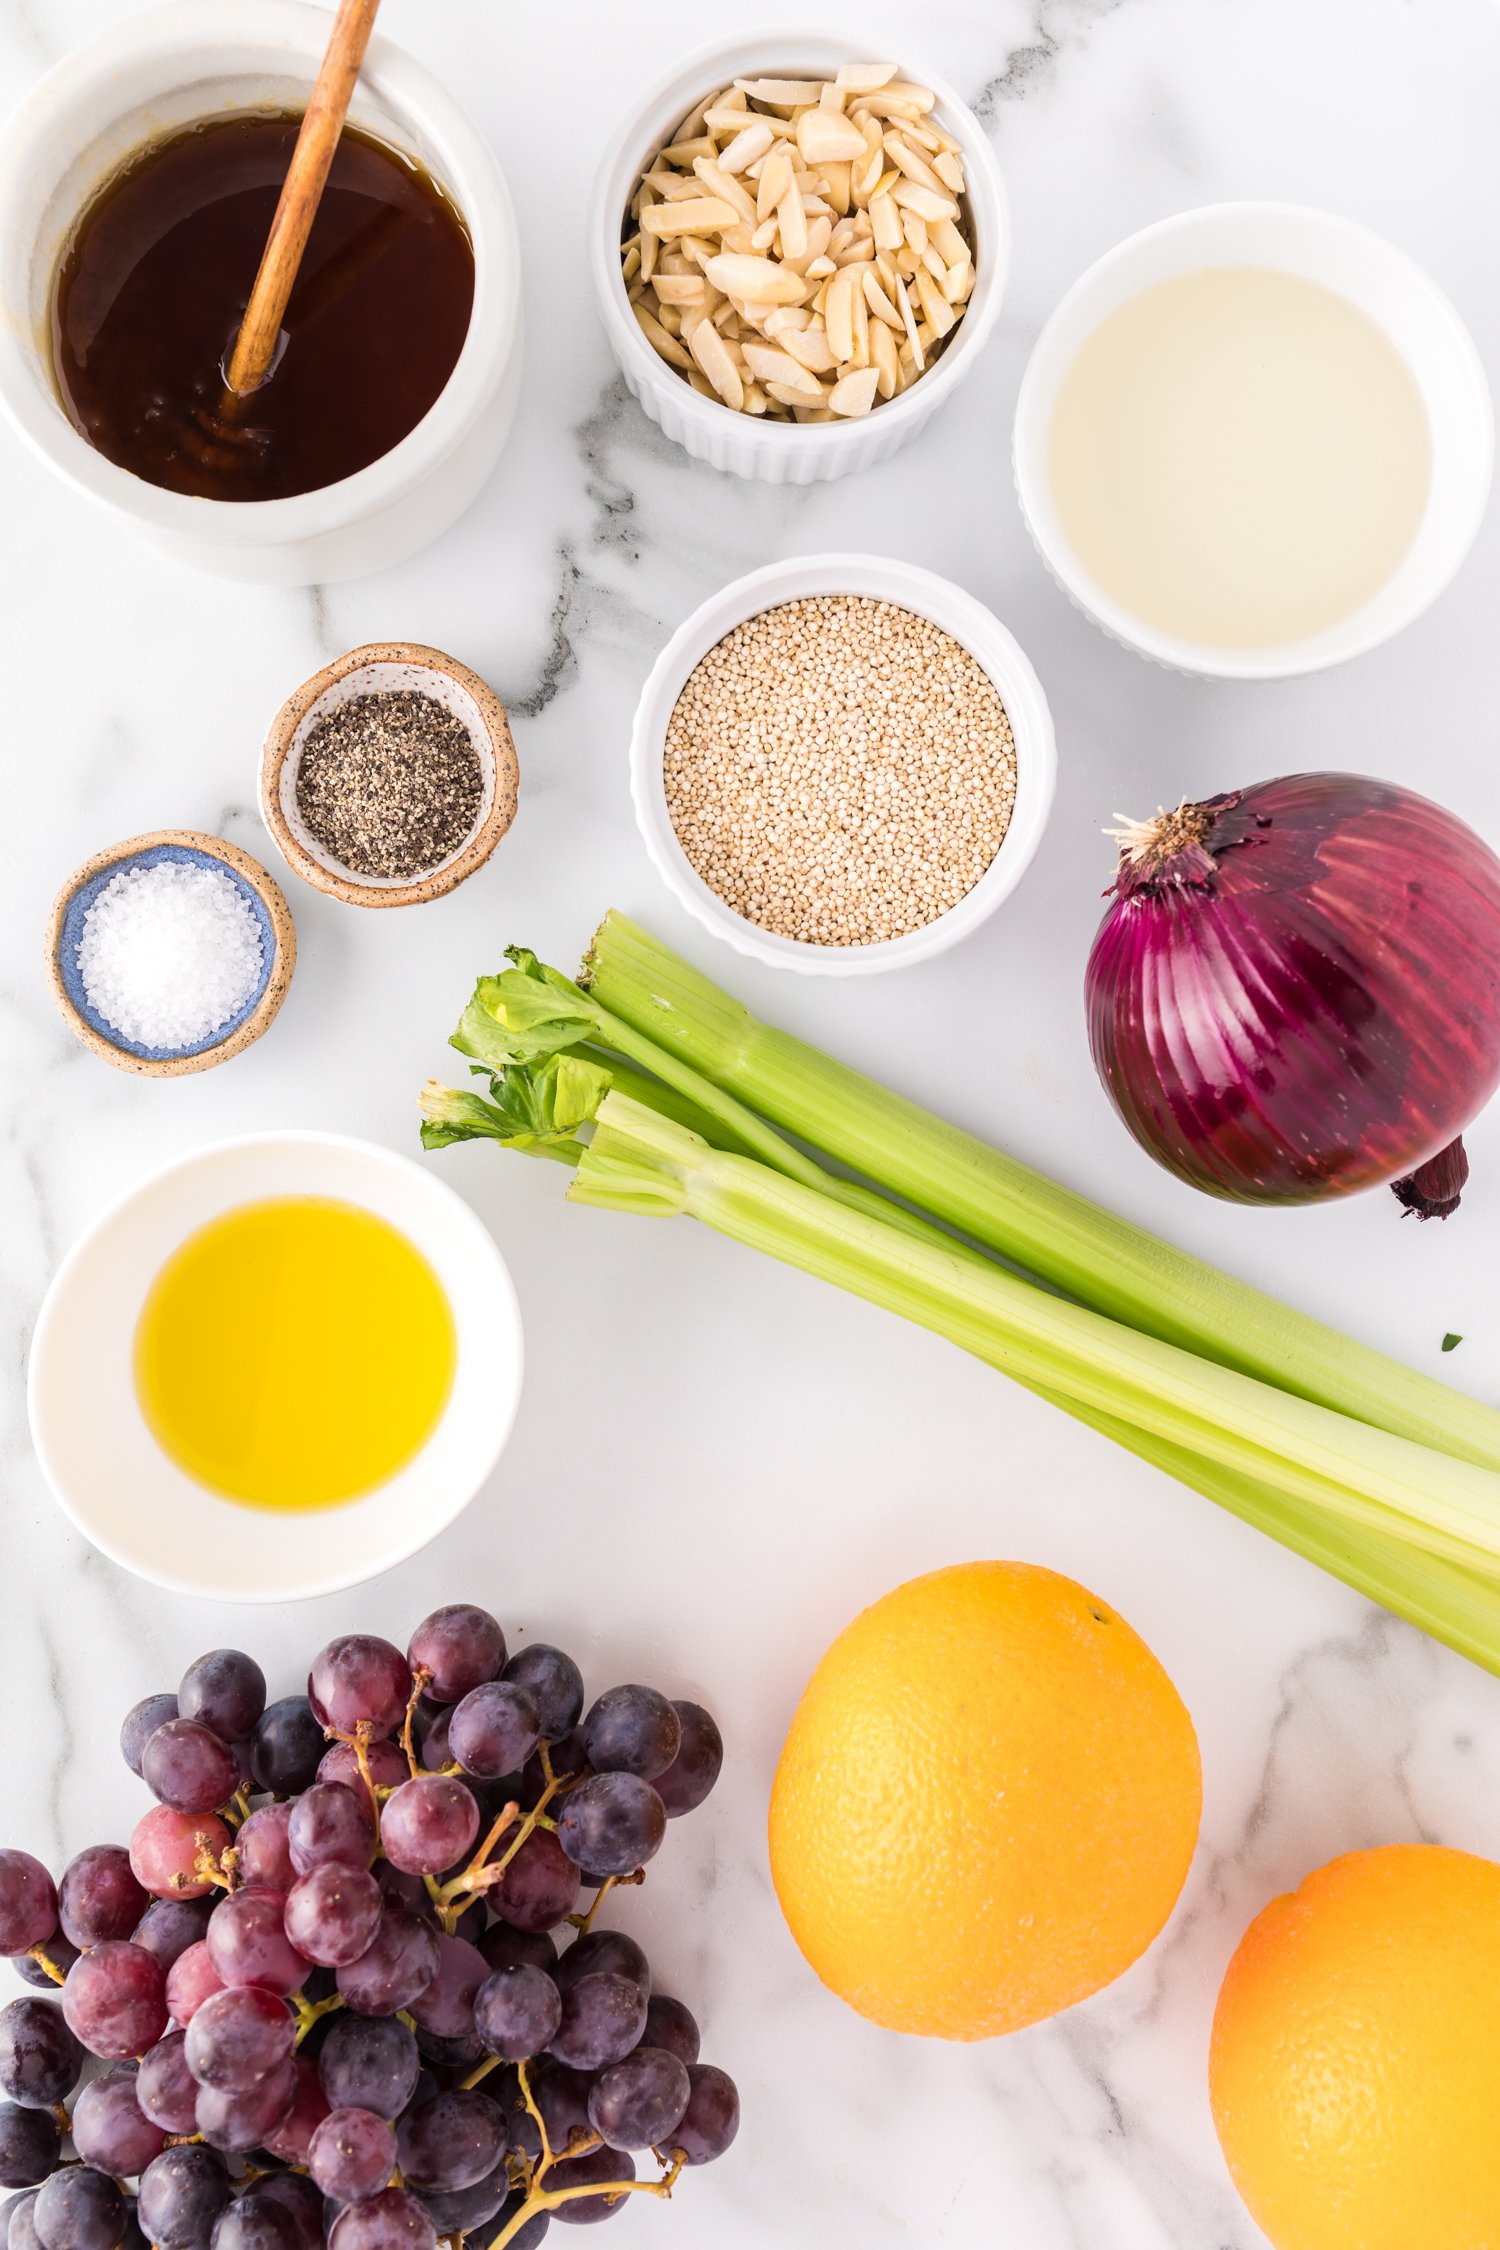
641	1161
1039	1225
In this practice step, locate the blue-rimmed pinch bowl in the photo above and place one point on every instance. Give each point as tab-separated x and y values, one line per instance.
191	848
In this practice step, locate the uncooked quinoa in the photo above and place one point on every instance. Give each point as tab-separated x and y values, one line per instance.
840	770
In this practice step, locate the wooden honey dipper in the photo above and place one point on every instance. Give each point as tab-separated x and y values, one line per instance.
328	105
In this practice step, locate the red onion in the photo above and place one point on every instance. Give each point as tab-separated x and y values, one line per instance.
1295	992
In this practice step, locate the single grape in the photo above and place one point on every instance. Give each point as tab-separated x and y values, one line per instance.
386	1761
639	2103
111	2129
79	2209
458	1647
359	1679
601	2167
696	1767
98	1896
331	1826
395	1969
286	1746
262	1849
368	2062
632	1729
259	2224
669	2024
604	1949
165	2088
529	2237
554	1683
165	1847
239	2037
446	2007
505	1947
461	2210
332	1914
61	1952
494	1730
293	2137
712	2117
429	1824
28	1903
40	2060
170	1925
293	2193
189	1768
115	2000
611	1824
141	1722
451	2141
516	2012
603	2016
353	2154
181	2195
30	2145
248	1944
226	1690
540	1886
239	2118
17	2226
392	2220
191	1980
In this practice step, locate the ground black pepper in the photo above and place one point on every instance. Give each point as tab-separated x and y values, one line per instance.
390	784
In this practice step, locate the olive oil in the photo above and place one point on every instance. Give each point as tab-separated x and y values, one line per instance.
294	1353
1240	457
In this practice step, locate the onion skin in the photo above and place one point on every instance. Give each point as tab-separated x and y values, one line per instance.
1295	992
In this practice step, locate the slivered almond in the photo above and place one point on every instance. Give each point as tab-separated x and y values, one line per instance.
926	202
724	117
728	189
906	159
688	218
710	351
885	221
913	340
791	225
656	335
937	311
680	288
878	302
817	268
836	186
775	181
854	394
831	96
915	231
950	171
764	236
682	153
810	348
784	395
865	78
861	312
759	280
948	242
748	146
826	136
885	359
838	314
770	366
781	93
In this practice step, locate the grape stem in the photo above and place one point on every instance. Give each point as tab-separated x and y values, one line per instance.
482	1872
419	1680
43	1960
309	2012
481	2071
222	1872
237	1811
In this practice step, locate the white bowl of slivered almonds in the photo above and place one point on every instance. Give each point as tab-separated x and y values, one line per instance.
866	367
842	764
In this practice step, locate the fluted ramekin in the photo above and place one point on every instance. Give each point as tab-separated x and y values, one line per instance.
788	452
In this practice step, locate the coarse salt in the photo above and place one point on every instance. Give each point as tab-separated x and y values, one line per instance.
169	953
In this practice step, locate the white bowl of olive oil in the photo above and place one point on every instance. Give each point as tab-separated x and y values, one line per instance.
1253	440
275	1368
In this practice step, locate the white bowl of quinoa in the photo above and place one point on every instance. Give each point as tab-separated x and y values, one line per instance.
842	764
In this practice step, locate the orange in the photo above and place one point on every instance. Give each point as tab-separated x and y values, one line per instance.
1355	2065
986	1805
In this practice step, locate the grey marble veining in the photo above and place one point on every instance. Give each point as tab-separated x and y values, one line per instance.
718	1462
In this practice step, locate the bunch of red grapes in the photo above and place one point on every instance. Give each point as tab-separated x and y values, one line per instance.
323	1977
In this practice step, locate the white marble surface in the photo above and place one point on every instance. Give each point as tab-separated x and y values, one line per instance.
717	1462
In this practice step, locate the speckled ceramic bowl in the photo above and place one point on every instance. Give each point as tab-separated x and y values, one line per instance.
378	668
188	847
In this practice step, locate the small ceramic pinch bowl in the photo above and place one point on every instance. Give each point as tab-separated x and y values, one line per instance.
1391	290
377	669
187	847
879	578
788	452
125	1494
